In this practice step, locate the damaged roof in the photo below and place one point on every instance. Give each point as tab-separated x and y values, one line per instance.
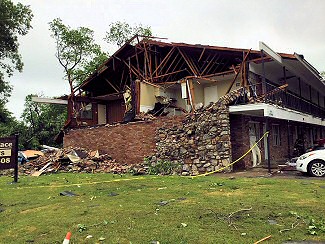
160	62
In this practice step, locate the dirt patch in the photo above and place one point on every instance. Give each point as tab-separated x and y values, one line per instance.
31	228
225	193
32	210
307	202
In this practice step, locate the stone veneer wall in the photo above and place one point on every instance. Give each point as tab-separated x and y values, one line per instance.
126	143
202	143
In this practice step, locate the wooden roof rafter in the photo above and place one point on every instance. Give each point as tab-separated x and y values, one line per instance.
192	67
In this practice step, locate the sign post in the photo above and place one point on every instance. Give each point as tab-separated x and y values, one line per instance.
9	154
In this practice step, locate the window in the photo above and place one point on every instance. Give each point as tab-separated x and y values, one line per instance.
276	135
84	110
87	112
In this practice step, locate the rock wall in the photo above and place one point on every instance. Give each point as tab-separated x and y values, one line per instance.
202	143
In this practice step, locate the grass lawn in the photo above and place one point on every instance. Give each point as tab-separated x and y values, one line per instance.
168	209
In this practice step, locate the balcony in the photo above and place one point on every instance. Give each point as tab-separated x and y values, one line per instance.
292	101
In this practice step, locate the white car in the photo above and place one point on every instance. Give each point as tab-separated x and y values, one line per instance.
312	163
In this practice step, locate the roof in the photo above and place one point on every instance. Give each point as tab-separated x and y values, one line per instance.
174	61
158	61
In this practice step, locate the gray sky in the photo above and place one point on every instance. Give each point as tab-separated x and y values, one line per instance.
286	26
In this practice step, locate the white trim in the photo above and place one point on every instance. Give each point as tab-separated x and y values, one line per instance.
276	112
49	100
269	51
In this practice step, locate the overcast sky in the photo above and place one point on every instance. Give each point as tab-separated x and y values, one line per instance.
285	25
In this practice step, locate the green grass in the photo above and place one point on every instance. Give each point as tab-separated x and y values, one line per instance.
197	210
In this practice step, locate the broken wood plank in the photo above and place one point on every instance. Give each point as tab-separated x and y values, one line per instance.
240	68
41	171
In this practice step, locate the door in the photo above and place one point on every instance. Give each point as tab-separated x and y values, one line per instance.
102	114
115	111
254	136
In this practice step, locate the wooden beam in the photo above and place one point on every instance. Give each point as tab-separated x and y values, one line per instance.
207	79
194	71
164	61
219	73
259	60
171	73
151	84
147	63
176	57
114	87
241	65
169	82
210	63
201	54
133	71
274	91
192	95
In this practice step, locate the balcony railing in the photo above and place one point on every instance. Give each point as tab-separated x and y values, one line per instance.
292	101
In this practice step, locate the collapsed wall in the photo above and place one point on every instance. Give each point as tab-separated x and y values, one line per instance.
198	142
127	143
202	143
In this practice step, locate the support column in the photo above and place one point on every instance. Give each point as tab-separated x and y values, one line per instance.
289	145
263	78
267	125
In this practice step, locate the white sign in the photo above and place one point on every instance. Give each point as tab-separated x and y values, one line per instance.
4	152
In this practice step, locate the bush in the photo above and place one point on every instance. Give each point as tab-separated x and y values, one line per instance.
163	167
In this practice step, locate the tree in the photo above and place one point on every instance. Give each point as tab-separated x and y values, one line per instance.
44	122
89	67
120	32
76	51
15	20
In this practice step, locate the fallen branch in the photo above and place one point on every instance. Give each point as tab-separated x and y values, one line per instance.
293	225
263	239
238	211
231	215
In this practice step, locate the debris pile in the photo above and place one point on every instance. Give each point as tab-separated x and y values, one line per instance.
202	143
145	117
77	160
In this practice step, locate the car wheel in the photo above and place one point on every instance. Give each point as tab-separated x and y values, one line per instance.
316	168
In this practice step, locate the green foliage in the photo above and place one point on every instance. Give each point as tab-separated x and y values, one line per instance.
44	122
89	66
77	51
10	126
316	227
6	122
15	20
120	32
162	167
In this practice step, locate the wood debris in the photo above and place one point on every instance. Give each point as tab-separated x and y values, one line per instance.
77	160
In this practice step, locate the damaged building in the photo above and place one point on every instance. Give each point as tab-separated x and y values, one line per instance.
199	106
